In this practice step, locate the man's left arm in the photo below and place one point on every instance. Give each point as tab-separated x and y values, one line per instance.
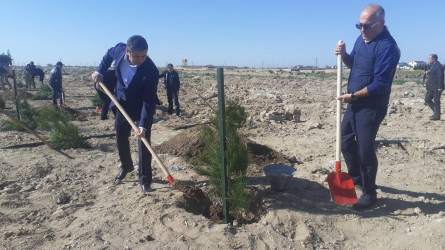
441	79
178	82
149	101
384	70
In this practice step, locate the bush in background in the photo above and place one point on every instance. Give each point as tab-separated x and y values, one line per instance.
44	93
97	101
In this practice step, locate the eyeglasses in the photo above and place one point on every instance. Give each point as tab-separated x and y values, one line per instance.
137	57
365	26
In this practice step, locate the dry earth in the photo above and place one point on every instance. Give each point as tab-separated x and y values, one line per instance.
66	200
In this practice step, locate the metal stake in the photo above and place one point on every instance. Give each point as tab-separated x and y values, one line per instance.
222	141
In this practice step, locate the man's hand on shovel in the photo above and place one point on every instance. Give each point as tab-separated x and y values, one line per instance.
97	77
140	133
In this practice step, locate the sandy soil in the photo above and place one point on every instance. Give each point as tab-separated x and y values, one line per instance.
66	199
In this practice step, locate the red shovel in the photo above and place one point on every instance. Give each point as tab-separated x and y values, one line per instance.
144	140
340	183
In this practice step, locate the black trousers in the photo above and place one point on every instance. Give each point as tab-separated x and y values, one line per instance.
432	99
57	94
359	129
123	132
172	96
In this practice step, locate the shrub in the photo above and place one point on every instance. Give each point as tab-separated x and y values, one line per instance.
28	115
236	158
44	93
97	101
63	134
2	103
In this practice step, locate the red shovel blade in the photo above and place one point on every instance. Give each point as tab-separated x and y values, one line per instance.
341	187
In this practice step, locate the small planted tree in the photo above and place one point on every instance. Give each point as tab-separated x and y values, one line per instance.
27	114
236	158
97	101
44	93
63	134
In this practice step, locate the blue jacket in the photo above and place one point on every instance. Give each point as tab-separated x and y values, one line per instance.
374	66
55	78
140	95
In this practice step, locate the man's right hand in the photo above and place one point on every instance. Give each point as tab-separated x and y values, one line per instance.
340	49
97	77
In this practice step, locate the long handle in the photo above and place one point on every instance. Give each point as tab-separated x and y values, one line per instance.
144	140
338	134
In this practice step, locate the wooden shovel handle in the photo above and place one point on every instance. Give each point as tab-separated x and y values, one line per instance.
144	140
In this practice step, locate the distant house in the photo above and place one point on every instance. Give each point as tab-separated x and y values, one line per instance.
404	66
418	64
297	67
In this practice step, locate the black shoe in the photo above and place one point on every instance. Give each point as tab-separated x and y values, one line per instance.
432	118
365	201
146	188
121	175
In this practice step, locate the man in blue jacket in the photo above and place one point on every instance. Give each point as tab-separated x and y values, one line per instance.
137	81
171	84
55	81
373	62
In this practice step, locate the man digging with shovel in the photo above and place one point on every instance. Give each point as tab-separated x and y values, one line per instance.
373	62
137	81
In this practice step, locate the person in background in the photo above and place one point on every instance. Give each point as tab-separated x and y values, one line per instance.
38	72
4	78
373	63
110	80
29	72
172	85
55	81
137	82
434	86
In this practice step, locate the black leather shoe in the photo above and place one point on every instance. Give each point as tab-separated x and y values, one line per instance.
365	201
121	175
434	118
146	188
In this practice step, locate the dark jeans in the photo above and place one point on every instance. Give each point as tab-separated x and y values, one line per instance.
57	93
432	99
359	129
123	132
172	96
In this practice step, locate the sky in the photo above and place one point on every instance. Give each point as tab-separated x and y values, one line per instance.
259	34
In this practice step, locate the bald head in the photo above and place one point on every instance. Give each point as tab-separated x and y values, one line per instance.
373	11
373	16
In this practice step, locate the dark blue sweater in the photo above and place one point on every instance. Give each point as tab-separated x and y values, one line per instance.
374	66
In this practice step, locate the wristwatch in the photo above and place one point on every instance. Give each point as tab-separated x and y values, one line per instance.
353	98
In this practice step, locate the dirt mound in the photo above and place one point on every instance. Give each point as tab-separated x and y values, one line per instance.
189	145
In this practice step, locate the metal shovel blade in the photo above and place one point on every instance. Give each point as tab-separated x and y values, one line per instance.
341	187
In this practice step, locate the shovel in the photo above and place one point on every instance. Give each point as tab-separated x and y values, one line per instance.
63	99
340	183
144	140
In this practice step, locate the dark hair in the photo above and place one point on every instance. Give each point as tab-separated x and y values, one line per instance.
169	65
434	56
137	43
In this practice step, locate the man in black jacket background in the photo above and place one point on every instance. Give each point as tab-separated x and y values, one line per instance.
172	84
434	86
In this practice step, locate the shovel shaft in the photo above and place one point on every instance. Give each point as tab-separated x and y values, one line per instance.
144	140
338	131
